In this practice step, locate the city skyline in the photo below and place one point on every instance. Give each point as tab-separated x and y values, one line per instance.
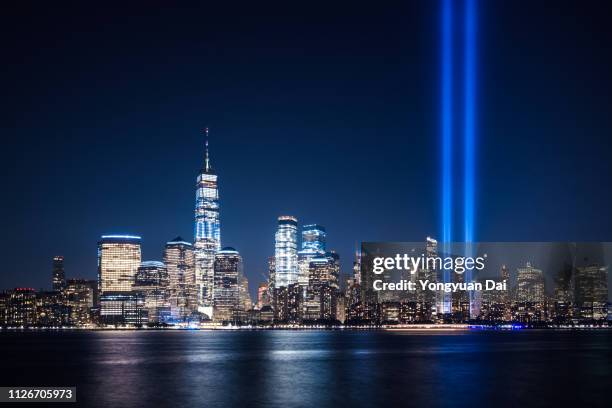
316	120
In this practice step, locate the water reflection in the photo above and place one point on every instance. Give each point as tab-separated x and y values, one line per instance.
310	368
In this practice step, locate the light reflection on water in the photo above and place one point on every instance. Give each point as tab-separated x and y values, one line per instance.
314	368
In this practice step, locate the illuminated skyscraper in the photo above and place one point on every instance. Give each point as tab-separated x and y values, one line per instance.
313	238
323	288
313	245
153	283
285	252
59	277
530	284
226	290
591	291
180	262
118	262
207	232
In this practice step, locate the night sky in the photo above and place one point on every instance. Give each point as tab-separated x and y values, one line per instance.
327	111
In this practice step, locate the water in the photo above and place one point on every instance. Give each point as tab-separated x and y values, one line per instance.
314	368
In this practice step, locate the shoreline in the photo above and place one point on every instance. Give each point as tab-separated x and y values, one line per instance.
389	328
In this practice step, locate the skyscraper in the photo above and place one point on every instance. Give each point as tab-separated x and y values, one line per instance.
180	262
153	283
591	291
313	245
226	290
323	288
313	238
246	302
530	284
59	277
285	252
118	262
207	232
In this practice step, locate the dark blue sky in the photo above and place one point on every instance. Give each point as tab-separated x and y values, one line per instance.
327	111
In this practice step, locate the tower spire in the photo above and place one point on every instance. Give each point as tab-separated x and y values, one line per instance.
206	158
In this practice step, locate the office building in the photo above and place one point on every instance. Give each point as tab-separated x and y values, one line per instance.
52	309
530	284
226	291
58	277
153	283
285	254
246	303
179	259
79	296
123	308
263	295
323	288
207	232
313	245
591	292
21	307
118	261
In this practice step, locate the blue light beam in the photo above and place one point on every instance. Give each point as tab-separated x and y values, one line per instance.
446	74
447	121
469	120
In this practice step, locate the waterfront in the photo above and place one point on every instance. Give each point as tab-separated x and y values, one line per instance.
314	368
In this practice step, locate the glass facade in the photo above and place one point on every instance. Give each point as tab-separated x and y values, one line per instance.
118	261
530	284
592	291
179	259
123	308
153	283
59	277
226	290
207	232
313	238
313	245
323	288
285	252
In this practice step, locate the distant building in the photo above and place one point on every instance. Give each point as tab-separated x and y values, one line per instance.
591	292
153	282
122	308
288	304
313	245
226	291
79	296
263	295
246	303
271	275
58	277
323	288
21	307
179	259
530	284
285	252
353	292
4	302
118	261
52	309
266	314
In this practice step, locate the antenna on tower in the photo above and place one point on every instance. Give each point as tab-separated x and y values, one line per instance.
206	158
